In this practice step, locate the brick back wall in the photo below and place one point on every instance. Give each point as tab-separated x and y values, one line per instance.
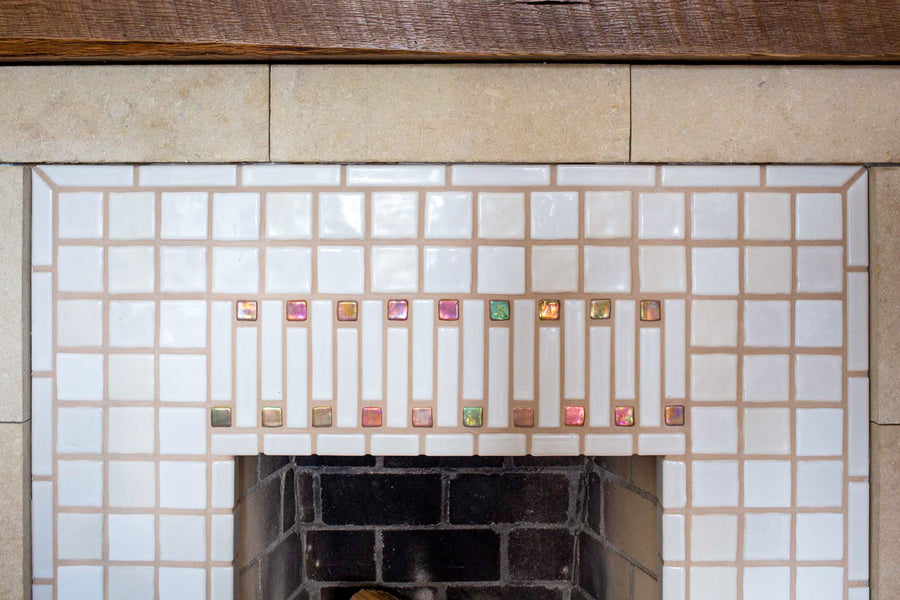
321	528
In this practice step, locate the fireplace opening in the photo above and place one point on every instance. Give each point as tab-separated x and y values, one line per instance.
426	528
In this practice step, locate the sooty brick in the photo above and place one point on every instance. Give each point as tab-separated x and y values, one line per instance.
541	554
509	498
282	569
441	555
381	499
346	593
505	593
340	555
289	501
591	552
334	461
443	462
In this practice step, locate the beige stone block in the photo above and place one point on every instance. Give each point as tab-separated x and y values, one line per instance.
472	113
885	512
630	524
765	114
141	113
15	510
884	281
645	587
15	297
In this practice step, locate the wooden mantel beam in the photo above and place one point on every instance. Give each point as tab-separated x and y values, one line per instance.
684	30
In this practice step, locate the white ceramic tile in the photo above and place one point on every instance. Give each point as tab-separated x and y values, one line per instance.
714	216
820	483
132	537
320	312
79	536
607	215
236	216
182	538
624	316
858	531
132	324
395	215
673	479
766	378
132	215
79	376
448	270
182	323
714	271
858	321
182	269
447	405
621	444
246	444
181	583
554	215
371	314
502	444
394	445
858	222
554	268
820	583
79	269
573	324
289	215
131	376
819	323
341	216
375	175
819	377
42	221
820	269
187	175
767	216
549	350
713	583
808	175
346	412
714	430
710	175
79	582
501	216
858	427
222	583
422	349
132	484
473	312
488	175
555	445
662	269
41	321
90	175
448	215
501	270
397	376
131	583
235	270
41	426
182	431
498	377
340	445
639	175
767	583
131	269
650	380
672	543
767	483
767	431
42	528
819	217
290	175
80	483
222	537
80	323
182	484
673	583
713	322
713	377
820	536
222	494
246	377
714	483
767	536
80	215
661	444
288	270
279	444
606	269
820	431
220	351
523	350
455	444
767	270
858	593
661	216
395	269
132	430
599	374
767	323
340	269
714	537
184	216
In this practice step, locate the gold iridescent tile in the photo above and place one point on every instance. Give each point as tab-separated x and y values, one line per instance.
272	417
548	310
523	417
472	416
499	310
321	416
246	310
625	416
397	310
371	416
651	310
220	416
574	416
422	417
601	308
448	310
675	415
295	310
347	310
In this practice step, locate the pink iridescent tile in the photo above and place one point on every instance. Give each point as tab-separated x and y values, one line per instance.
422	417
245	310
675	415
448	310
574	416
651	310
371	416
625	416
347	310
397	310
295	310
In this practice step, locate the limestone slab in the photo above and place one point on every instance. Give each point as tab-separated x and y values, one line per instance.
470	113
146	113
15	509
791	114
15	261
884	248
885	510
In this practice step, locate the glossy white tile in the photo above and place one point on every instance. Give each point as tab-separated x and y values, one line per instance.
235	270
710	175
820	583
820	483
714	377
501	216
858	427
606	269
236	216
523	350
79	269
447	270
767	483
767	431
222	491
497	175
498	378
79	483
80	215
574	349
184	216
501	270
819	377
80	323
182	324
131	430
271	313
187	175
321	334
714	430
599	374
650	377
347	376
674	348
79	376
395	175
714	216
397	376
131	376
395	269
246	377
808	175
447	396
715	271
611	175
624	316
422	349
448	215
673	478
182	538
767	270
549	366
662	269
766	378
132	324
767	216
661	216
502	444
858	321
79	431
820	536
713	583
395	215
289	216
767	536
90	175
290	175
819	217
341	216
296	376
714	323
473	312
41	321
182	484
340	269
131	269
42	221
554	215
371	314
858	531
41	426
767	583
182	430
714	483
607	215
858	222
554	268
673	536
819	323
820	432
132	484
714	538
79	581
767	323
132	215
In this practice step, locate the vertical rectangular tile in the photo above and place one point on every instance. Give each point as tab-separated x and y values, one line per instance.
674	318
858	222
372	317
600	339
858	427
272	322
523	349
648	415
498	377
548	377
41	426
397	377
624	349
246	404
41	321
321	312
42	529
858	531
473	349
347	377
422	349
447	377
297	380
858	321
41	222
220	349
573	314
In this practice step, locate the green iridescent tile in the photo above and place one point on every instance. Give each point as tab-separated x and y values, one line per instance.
220	416
472	416
499	310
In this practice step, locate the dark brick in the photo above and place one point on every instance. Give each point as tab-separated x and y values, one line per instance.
345	593
509	498
550	461
541	554
601	572
443	462
246	473
505	593
334	461
340	555
381	499
289	501
271	464
441	555
306	510
282	569
301	594
579	594
259	525
594	514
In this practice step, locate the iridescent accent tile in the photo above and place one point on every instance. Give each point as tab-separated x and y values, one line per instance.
499	310
574	416
272	416
448	310
523	417
472	416
675	415
625	416
548	310
220	416
397	310
422	417
321	416
347	310
371	416
246	310
601	308
295	310
651	310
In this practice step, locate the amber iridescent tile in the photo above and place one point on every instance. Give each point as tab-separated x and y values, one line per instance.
601	308
347	310
422	417
245	310
371	416
499	310
295	310
650	310
321	416
448	310
548	310
220	416
574	416
472	416
625	416
271	416
397	310
675	415
523	417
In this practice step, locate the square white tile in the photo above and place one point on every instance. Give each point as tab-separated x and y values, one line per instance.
182	269
132	324
820	483
182	583
714	322
820	536
80	483
288	270
501	270
235	270
289	216
132	430
184	216
820	431
714	377
607	269
714	483
182	538
182	324
767	216
79	582
79	269
79	430
820	583
767	431
132	215
340	269
132	537
767	536
819	217
341	216
448	215
79	376
236	216
554	215
501	216
607	215
395	269
131	269
79	323
79	536
447	270
132	484
131	376
554	268
182	378
820	269
662	269
182	484
80	215
714	430
767	270
767	583
182	430
713	583
767	483
395	215
767	323
766	377
714	271
714	216
714	537
819	377
132	583
661	216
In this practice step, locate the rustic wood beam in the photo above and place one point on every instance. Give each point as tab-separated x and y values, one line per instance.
689	30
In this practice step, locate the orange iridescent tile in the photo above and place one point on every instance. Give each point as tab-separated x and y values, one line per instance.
574	416
548	310
397	310
422	417
675	415
472	416
523	417
272	416
651	310
245	310
220	416
601	308
347	310
625	416
295	310
371	416
448	310
321	416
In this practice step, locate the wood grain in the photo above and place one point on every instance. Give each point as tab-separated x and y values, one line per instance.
747	30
